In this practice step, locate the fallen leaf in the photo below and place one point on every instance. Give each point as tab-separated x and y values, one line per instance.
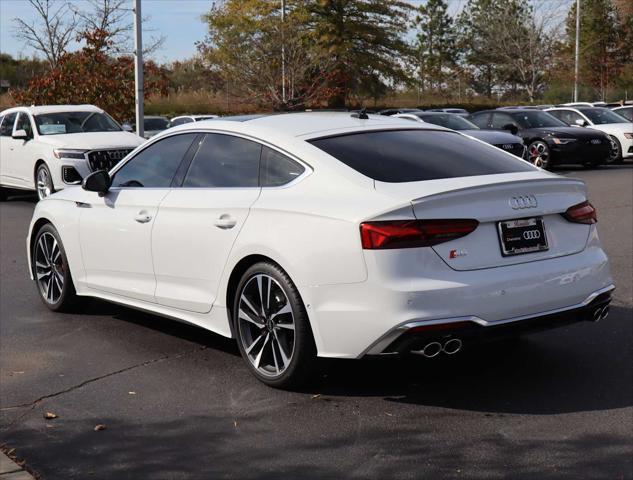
131	393
316	396
49	416
100	427
18	372
389	414
235	423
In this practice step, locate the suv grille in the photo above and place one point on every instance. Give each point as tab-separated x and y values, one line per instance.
106	159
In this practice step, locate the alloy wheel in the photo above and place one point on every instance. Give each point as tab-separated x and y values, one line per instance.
539	154
266	325
614	154
49	268
44	183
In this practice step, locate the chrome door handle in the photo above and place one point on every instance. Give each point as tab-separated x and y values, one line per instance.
142	217
225	222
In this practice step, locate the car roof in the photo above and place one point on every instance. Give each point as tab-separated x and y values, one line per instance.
305	124
43	109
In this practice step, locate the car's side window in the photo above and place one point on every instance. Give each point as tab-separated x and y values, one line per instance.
500	120
481	120
6	129
277	169
24	123
571	117
156	165
224	161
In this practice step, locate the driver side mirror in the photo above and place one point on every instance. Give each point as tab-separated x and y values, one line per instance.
512	128
581	123
20	135
127	127
98	181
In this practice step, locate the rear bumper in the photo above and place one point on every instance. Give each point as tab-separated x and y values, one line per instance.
413	336
577	153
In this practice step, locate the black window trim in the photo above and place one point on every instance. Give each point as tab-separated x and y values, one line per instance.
4	117
182	169
378	130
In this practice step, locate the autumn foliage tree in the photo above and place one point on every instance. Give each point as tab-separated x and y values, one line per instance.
92	76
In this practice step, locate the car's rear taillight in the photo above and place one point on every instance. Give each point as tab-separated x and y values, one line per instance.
413	233
584	212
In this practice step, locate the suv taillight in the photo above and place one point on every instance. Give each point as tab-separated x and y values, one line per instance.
584	212
413	233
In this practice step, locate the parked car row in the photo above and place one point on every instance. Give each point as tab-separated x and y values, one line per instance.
544	131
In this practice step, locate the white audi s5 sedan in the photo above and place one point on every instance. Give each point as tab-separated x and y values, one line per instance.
326	235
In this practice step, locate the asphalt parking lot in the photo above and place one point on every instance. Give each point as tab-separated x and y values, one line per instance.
177	402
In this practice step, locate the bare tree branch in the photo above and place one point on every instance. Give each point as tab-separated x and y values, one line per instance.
52	32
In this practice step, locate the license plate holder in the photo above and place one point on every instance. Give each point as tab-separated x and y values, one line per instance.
521	236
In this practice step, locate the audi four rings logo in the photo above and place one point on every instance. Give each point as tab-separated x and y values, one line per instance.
523	201
531	235
507	146
595	141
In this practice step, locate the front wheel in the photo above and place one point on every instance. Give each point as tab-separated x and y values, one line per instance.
272	327
539	154
51	270
43	182
615	156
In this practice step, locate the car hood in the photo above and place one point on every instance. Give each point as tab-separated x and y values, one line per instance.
565	132
492	136
614	128
93	140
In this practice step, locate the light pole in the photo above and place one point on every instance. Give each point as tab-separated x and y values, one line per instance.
138	69
283	53
577	50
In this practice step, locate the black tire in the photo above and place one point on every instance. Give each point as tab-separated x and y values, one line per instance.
265	324
4	193
58	299
539	154
41	190
616	151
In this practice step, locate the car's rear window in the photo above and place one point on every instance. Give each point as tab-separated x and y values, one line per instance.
416	155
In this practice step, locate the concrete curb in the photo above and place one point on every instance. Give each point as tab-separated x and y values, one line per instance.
9	470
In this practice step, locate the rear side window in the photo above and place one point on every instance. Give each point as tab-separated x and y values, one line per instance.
155	166
480	120
277	169
415	155
224	161
6	128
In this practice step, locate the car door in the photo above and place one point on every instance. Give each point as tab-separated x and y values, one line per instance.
7	157
23	153
198	223
116	228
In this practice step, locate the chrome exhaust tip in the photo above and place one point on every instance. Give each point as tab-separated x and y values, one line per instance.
452	346
432	349
597	314
605	313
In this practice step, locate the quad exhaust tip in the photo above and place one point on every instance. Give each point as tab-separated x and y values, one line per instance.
433	349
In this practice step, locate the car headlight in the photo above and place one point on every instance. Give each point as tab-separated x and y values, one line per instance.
628	135
70	153
562	141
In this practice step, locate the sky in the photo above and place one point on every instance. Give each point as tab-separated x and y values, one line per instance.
177	20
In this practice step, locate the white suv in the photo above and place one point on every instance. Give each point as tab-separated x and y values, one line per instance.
48	147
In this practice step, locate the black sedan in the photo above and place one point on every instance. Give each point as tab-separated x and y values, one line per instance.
501	139
550	141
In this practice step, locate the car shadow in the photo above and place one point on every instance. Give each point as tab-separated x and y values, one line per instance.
583	367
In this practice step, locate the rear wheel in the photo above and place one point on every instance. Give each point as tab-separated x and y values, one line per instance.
51	271
272	327
539	154
43	182
615	155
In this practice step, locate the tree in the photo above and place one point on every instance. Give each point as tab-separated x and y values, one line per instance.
244	46
365	41
435	43
606	34
52	36
91	76
115	18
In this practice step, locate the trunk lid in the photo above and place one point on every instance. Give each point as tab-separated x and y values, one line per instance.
491	199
